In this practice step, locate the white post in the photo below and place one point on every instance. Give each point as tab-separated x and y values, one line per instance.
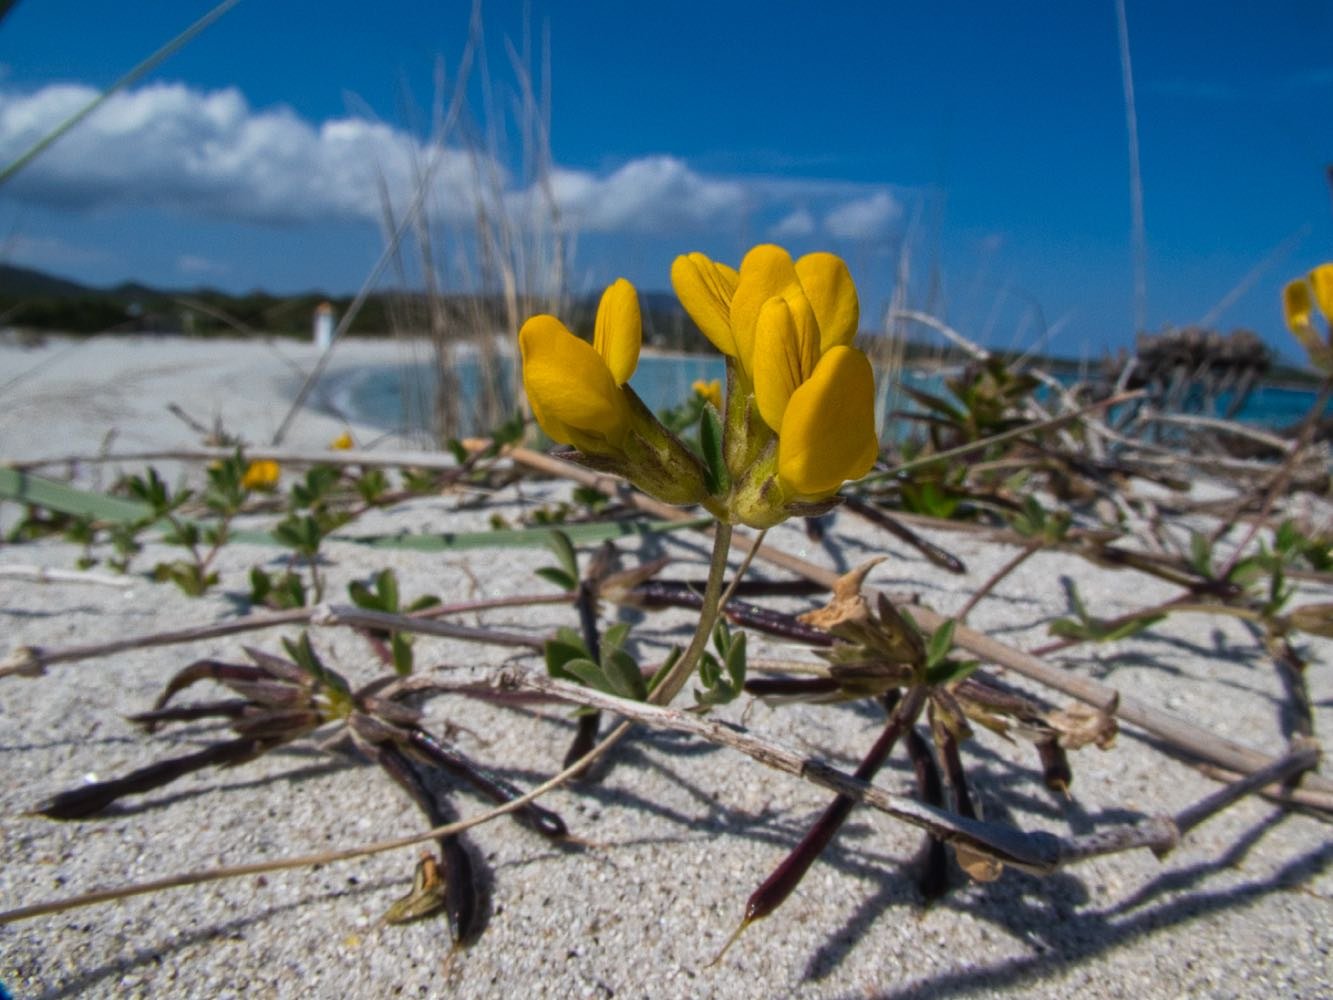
323	329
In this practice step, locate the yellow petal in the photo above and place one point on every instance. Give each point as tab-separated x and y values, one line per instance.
1297	306
261	474
573	394
829	286
1321	280
766	271
618	334
705	288
828	431
786	351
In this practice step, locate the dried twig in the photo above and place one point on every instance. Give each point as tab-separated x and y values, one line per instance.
31	661
46	574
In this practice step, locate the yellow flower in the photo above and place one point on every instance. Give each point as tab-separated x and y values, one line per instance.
711	391
789	327
705	288
580	396
343	442
827	433
261	474
725	304
1300	299
574	387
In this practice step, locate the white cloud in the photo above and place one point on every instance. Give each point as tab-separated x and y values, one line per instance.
47	251
798	225
865	218
209	154
651	194
193	264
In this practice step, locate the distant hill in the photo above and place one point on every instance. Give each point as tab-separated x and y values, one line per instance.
23	281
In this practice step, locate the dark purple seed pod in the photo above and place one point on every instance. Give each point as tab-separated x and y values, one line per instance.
90	799
790	687
486	783
788	874
462	897
233	708
933	879
1055	771
933	553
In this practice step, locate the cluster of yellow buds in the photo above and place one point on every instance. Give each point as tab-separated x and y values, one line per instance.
798	419
1300	299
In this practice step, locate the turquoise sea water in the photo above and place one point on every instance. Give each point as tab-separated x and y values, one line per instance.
375	397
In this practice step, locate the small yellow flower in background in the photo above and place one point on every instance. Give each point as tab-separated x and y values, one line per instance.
575	388
710	391
261	474
343	442
1300	299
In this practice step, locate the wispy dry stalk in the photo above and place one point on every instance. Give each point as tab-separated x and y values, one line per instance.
1028	551
32	661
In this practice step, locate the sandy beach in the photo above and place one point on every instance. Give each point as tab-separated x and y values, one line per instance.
680	832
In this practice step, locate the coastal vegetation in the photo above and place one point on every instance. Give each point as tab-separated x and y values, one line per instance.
1037	475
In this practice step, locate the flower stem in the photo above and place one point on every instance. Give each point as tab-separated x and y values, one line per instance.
708	614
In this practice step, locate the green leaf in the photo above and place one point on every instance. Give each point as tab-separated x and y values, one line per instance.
1201	554
566	646
941	641
710	671
564	552
401	647
304	656
623	674
371	485
736	662
1076	600
615	636
589	674
188	576
456	449
721	637
948	671
1068	628
261	584
671	658
1129	628
1286	536
363	597
24	488
290	591
710	441
387	584
558	577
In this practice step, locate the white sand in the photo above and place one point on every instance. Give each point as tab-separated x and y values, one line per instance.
1241	909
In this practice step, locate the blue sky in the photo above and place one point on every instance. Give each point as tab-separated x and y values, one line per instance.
979	148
